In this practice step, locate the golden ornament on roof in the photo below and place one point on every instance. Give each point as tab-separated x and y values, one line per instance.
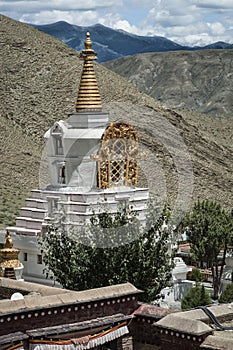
9	255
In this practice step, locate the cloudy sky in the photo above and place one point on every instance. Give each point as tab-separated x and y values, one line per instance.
192	22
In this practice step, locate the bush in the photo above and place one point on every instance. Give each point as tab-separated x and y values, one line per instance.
196	275
196	296
227	294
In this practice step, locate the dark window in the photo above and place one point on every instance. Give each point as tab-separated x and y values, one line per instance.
58	145
61	175
39	259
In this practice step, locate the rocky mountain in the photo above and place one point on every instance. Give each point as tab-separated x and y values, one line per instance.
188	155
111	44
197	80
218	45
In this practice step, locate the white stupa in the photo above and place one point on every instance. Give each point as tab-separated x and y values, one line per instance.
90	162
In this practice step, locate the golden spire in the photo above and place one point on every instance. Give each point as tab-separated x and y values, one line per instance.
88	96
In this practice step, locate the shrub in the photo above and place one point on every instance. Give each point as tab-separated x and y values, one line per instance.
196	296
227	294
196	275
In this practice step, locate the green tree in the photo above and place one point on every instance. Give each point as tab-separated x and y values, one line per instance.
196	296
227	294
113	249
209	230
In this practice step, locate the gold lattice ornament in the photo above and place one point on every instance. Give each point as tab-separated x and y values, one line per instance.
117	158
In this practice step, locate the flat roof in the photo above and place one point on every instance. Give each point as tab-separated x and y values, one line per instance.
52	296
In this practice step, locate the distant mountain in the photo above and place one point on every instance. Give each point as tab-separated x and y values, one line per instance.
111	44
195	80
219	45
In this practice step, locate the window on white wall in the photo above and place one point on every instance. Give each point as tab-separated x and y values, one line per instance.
57	140
61	174
58	145
39	259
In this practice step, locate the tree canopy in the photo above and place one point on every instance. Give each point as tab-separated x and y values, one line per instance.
209	230
114	248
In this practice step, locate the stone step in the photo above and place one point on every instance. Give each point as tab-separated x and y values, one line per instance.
33	224
23	231
36	203
36	194
33	213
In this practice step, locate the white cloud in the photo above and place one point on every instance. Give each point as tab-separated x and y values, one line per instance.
36	5
81	18
215	4
216	28
44	11
114	21
189	22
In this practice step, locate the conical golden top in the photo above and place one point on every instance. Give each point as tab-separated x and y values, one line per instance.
88	96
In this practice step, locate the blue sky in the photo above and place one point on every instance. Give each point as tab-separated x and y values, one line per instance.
190	22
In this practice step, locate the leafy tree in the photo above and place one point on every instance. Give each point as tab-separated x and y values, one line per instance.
227	294
209	230
196	296
113	249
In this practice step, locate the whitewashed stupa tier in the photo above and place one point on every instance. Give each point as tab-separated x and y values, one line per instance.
77	205
91	164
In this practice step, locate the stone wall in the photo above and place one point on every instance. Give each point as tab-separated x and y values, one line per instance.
6	293
140	346
145	334
62	314
125	343
169	342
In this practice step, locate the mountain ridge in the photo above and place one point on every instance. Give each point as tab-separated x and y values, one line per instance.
197	80
116	43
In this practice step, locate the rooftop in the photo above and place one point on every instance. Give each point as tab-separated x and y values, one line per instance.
197	323
45	296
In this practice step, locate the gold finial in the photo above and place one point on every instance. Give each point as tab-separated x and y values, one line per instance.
8	242
88	42
88	96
